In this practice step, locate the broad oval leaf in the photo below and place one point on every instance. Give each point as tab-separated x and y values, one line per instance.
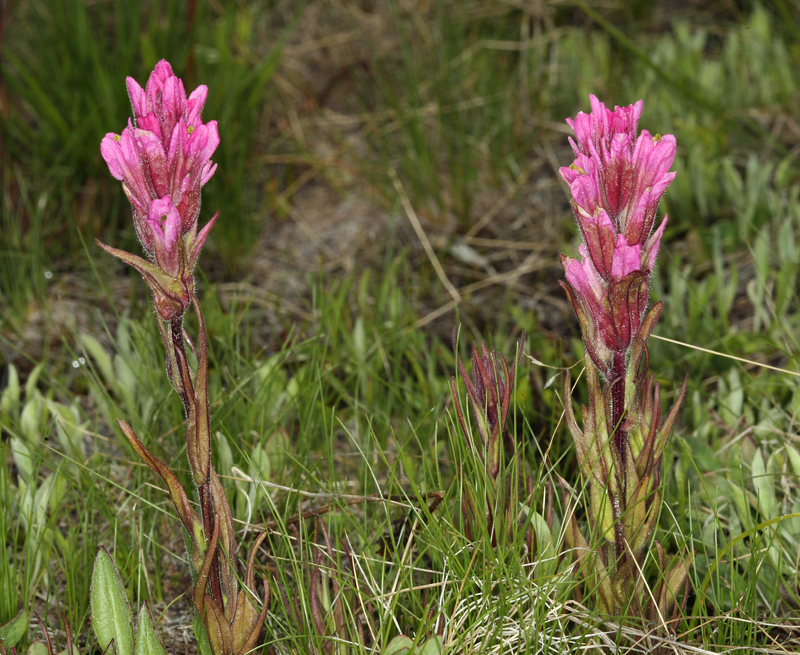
400	645
111	613
14	630
38	648
432	647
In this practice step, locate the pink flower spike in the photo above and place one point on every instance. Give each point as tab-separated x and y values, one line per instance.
163	159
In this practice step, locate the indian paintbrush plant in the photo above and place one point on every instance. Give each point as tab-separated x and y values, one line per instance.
490	390
163	159
616	182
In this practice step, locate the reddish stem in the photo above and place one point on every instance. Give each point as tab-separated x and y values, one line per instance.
619	437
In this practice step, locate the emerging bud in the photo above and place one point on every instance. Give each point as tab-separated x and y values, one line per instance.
489	393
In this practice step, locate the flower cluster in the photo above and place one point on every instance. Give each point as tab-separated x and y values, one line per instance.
163	159
616	182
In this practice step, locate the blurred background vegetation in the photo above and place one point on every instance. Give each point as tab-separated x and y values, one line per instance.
365	144
321	104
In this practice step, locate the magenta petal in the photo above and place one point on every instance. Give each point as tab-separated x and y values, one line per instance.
165	216
652	158
200	239
164	223
584	279
150	123
627	259
161	73
151	147
173	103
194	105
137	96
568	173
576	276
207	173
598	234
112	153
586	194
122	156
204	140
650	250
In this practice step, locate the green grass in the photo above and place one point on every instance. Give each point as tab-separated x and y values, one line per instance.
346	397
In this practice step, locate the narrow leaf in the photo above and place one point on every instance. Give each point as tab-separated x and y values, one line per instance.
103	360
9	399
765	487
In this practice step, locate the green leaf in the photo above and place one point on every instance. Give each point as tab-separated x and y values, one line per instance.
38	648
22	458
203	643
432	647
94	348
68	430
731	406
33	380
75	651
9	400
544	540
764	486
400	645
147	640
30	421
111	613
794	459
702	454
14	630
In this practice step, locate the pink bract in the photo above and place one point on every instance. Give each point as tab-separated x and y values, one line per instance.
164	223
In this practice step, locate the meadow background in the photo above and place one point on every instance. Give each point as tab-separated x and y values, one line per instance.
387	171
